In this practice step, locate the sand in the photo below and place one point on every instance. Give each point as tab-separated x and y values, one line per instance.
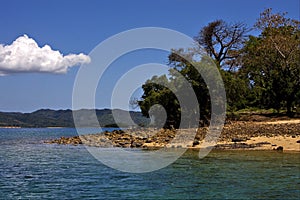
288	142
269	143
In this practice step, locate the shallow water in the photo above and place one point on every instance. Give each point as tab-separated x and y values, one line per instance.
30	169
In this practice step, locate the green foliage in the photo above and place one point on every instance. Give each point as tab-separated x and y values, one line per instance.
238	91
156	92
271	61
183	74
259	72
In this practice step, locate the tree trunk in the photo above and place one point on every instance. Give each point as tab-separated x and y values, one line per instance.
289	108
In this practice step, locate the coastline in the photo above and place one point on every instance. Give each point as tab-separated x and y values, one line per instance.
281	135
8	127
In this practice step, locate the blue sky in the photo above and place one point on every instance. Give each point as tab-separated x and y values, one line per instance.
74	27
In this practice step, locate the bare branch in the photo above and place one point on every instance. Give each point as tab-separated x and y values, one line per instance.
220	38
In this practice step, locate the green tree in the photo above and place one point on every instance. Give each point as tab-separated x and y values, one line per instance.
156	92
238	90
183	74
179	60
223	42
271	60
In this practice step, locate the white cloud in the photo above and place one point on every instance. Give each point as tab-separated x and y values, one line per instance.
24	55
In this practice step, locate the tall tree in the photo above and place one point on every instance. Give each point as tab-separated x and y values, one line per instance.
271	60
222	41
179	60
186	81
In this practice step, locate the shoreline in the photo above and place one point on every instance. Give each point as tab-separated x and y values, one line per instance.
281	135
10	127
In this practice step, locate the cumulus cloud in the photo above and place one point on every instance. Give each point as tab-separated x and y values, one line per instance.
24	55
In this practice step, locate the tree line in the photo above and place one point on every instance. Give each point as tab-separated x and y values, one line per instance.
260	72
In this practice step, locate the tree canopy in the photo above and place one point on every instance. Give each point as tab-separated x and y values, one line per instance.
258	71
271	61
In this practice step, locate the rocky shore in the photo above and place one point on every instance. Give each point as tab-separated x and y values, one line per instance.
276	135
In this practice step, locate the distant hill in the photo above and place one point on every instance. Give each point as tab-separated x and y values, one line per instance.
64	118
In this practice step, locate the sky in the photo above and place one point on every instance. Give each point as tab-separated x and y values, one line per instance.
44	43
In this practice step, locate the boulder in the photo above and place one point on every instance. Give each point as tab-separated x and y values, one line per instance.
280	148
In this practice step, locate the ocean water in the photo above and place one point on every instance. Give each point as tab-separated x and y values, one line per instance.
30	169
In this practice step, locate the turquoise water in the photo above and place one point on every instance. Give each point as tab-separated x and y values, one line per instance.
30	169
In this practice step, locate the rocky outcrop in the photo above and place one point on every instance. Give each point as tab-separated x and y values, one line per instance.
63	140
235	134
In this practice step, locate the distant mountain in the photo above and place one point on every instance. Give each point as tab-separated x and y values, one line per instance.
64	118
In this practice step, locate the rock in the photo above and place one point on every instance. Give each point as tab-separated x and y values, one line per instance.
238	139
135	144
262	143
280	148
196	142
235	132
148	140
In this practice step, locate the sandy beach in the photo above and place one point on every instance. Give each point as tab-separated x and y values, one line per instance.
288	136
268	143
